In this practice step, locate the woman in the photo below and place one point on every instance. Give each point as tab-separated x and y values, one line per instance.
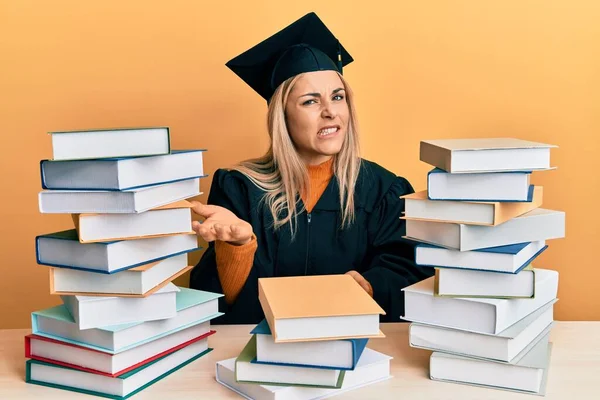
311	205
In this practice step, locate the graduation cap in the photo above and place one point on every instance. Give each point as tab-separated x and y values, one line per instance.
306	45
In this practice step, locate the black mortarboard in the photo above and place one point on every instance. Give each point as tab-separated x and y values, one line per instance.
305	45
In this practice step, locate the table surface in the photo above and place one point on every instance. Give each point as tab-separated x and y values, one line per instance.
574	367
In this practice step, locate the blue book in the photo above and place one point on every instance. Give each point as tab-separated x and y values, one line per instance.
505	259
341	354
63	249
122	173
194	307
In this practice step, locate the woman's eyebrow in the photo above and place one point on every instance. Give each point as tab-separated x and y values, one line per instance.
319	94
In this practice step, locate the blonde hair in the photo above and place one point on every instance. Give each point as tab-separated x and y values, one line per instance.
282	174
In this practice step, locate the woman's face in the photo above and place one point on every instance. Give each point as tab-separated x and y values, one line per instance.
317	115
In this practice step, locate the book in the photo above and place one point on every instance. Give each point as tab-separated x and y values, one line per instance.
321	307
419	207
77	357
467	283
95	312
372	368
194	307
538	224
504	259
492	186
486	155
103	143
170	219
140	281
124	173
63	249
265	374
528	375
335	354
119	202
480	315
121	387
504	346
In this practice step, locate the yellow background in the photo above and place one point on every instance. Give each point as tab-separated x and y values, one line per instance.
422	70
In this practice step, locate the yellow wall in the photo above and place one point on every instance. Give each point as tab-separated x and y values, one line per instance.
423	70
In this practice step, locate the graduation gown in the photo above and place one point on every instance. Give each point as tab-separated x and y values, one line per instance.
373	245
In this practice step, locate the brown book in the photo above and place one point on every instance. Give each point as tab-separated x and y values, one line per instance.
322	307
419	207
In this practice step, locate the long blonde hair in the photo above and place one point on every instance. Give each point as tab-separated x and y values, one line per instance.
282	174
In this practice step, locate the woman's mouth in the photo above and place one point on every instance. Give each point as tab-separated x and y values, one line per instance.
328	131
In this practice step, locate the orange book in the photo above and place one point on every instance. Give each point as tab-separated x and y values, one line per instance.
322	307
419	207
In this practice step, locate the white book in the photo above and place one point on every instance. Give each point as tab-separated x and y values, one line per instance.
193	307
538	224
507	259
63	249
122	173
481	315
169	219
486	154
504	346
493	186
528	375
119	202
116	387
372	367
103	143
139	281
468	283
114	364
95	311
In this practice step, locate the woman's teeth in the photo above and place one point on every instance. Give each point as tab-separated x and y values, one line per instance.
328	131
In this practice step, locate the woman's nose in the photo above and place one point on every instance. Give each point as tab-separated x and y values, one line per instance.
328	110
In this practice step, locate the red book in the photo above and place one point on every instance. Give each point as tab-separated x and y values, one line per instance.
95	361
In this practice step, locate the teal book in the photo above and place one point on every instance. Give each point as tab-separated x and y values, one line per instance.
120	387
193	307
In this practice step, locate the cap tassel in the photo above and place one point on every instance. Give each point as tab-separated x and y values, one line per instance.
339	57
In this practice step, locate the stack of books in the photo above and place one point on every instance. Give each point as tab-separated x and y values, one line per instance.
312	342
487	312
122	325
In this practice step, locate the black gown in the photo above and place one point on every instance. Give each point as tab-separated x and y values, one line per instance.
373	245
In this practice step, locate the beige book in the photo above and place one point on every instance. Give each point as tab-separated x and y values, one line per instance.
322	307
171	219
419	207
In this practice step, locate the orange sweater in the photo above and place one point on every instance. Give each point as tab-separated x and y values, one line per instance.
234	262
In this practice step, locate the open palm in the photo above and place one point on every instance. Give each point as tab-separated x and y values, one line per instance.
220	224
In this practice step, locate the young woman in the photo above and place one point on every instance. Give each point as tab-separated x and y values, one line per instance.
311	205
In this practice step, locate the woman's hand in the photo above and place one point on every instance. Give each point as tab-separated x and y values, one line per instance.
361	281
220	224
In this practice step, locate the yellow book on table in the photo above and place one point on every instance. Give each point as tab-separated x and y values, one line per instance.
322	307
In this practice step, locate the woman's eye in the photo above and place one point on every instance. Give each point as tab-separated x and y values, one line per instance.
339	97
307	102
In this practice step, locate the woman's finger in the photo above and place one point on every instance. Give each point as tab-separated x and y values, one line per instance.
223	232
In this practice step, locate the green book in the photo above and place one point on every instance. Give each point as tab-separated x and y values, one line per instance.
247	370
118	388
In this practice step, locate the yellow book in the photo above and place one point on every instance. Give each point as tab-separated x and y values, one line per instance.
322	307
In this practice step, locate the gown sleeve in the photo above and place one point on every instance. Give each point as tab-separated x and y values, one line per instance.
228	192
390	265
